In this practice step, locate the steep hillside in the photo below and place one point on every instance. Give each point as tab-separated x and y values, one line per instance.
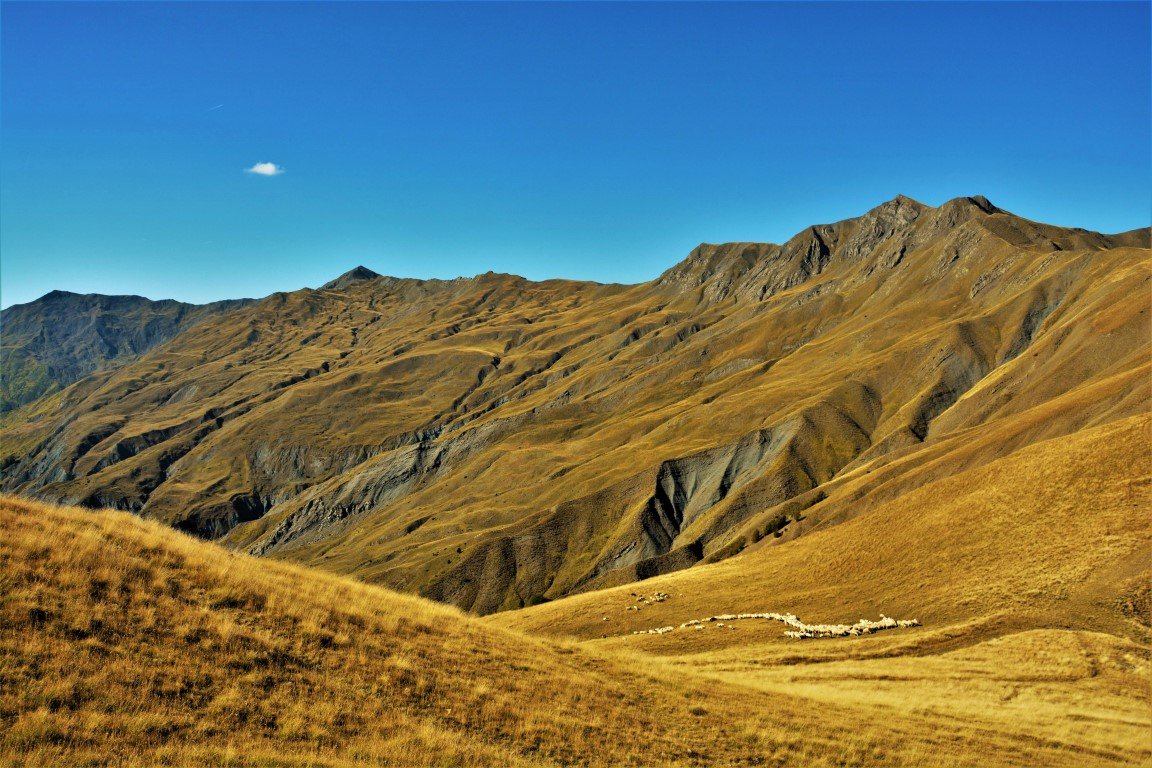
124	642
49	343
1053	536
492	442
1030	576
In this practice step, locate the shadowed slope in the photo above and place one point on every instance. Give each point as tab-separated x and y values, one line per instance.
53	341
493	442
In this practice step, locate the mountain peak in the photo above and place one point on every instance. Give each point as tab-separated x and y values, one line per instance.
901	207
357	274
58	296
902	204
960	209
900	200
980	202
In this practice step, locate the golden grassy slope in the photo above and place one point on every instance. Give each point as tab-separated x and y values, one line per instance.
123	642
1053	535
1030	574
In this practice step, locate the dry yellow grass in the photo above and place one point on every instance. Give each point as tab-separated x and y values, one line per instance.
1084	689
1051	535
125	643
1031	575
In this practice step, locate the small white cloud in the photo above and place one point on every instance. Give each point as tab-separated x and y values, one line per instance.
265	169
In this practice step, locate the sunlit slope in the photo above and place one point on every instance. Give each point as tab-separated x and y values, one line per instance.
1087	691
1055	535
493	442
123	642
1031	576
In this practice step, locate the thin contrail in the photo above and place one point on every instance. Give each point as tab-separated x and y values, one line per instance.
210	109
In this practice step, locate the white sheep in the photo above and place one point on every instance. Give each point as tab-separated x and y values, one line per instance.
800	630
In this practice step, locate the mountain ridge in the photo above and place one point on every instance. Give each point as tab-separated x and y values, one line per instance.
493	441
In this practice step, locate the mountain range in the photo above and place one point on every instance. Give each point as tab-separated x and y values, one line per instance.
493	442
875	496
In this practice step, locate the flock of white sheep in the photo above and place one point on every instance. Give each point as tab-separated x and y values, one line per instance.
799	630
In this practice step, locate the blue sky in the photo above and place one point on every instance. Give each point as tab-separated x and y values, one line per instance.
591	141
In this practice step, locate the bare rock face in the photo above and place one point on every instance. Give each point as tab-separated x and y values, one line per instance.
492	442
881	223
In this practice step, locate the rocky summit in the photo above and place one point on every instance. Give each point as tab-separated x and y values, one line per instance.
493	442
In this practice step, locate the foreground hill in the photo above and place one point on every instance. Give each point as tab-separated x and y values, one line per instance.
53	341
1031	577
124	642
492	442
